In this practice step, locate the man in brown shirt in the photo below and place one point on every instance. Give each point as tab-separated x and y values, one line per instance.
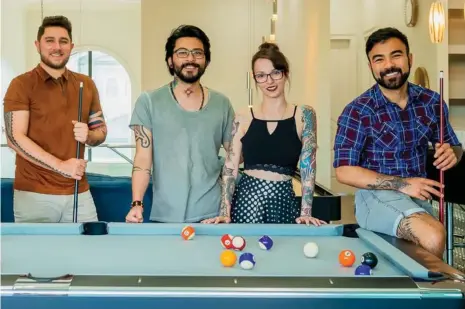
41	112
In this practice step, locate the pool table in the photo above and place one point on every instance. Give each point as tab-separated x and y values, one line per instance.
150	265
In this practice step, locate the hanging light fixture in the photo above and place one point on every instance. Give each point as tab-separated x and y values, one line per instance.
437	22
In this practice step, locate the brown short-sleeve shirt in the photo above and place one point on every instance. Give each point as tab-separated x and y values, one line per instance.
52	105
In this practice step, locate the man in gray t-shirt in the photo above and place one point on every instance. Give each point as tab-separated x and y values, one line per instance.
179	129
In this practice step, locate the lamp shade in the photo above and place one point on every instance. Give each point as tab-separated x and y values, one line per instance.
437	22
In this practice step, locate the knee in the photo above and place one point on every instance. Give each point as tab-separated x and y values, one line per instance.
436	238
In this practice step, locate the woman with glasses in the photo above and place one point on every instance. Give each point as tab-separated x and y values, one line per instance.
274	138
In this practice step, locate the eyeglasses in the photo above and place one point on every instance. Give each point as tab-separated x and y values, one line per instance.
274	75
184	53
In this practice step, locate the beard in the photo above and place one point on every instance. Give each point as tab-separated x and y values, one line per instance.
189	78
56	66
392	83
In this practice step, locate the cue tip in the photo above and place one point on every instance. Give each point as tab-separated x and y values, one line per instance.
81	85
441	74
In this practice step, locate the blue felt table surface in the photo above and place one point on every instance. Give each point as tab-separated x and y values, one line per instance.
48	250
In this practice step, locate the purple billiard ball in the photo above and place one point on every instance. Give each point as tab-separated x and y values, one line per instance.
265	242
363	270
247	260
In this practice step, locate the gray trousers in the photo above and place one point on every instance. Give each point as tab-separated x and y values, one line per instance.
34	207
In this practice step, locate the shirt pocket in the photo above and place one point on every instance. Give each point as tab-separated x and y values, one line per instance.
424	129
386	135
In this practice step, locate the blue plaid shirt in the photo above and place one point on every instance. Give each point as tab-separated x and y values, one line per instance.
378	135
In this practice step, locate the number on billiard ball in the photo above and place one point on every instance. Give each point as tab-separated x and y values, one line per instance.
369	259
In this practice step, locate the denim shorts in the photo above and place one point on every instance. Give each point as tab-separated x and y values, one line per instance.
382	210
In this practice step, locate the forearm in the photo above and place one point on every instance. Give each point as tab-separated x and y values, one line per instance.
33	153
227	188
97	136
141	174
363	178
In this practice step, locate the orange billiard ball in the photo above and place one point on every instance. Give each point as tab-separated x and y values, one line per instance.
347	258
188	232
228	258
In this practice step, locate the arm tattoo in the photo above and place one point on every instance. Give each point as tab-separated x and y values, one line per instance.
142	136
140	169
229	176
388	183
308	159
9	133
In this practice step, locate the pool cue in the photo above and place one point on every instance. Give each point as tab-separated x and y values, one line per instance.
441	141
78	150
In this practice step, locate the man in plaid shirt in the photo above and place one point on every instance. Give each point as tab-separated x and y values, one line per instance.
381	147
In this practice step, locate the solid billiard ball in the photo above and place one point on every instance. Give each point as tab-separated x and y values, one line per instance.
188	232
369	259
247	260
238	243
265	242
363	270
346	258
228	258
311	249
226	241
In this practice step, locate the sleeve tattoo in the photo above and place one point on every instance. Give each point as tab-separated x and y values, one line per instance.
308	159
229	175
9	118
388	183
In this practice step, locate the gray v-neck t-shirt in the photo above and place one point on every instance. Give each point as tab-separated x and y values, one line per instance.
186	163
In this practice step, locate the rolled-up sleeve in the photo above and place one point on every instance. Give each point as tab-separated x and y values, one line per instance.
350	138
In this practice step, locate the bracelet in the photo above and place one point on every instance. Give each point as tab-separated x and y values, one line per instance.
137	203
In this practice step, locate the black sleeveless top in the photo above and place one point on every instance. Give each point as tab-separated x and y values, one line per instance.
278	152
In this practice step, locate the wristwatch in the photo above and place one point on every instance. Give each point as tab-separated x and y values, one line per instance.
137	203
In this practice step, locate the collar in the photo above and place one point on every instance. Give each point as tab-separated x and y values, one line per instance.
413	92
45	76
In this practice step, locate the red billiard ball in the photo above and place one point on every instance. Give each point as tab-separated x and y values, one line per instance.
238	243
226	241
346	258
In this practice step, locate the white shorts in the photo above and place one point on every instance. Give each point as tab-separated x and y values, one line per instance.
34	207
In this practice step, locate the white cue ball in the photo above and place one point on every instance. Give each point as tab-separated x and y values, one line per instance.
311	249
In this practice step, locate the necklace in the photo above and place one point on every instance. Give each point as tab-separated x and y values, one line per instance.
201	89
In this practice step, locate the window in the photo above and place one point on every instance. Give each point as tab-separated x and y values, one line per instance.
114	86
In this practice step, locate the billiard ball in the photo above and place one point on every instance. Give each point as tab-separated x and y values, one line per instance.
369	259
247	260
238	243
311	249
363	270
347	258
188	232
265	242
226	241
228	258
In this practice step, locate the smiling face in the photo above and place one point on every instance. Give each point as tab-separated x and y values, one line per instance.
55	47
188	60
270	80
390	63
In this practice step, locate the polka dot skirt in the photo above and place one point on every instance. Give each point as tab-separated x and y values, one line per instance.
263	201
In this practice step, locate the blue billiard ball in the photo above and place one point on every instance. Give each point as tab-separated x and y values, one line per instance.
265	242
363	270
247	260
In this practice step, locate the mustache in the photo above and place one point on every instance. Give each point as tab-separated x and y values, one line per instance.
390	70
196	65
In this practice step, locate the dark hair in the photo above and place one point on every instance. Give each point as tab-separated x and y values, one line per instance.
186	31
55	21
271	52
384	34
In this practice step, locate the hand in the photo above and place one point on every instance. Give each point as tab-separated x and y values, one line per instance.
81	131
421	188
135	215
309	220
73	168
216	220
445	157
